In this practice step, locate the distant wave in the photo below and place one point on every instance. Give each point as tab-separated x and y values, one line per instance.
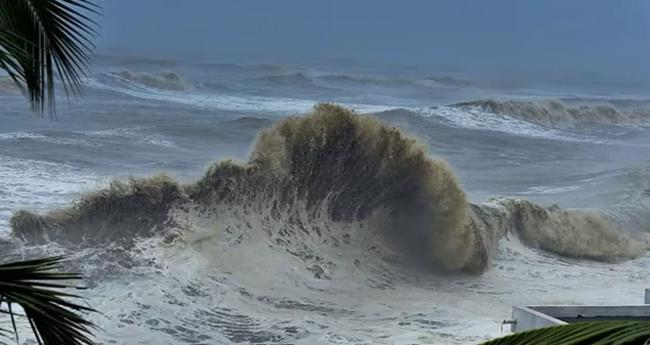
249	121
162	80
223	101
297	79
556	114
122	60
450	81
360	80
328	182
481	120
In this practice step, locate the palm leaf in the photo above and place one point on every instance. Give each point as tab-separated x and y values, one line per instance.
41	37
36	288
582	333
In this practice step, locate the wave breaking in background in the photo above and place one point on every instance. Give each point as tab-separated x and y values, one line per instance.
550	118
162	80
556	114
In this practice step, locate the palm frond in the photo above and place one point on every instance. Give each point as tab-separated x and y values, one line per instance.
41	37
583	333
36	288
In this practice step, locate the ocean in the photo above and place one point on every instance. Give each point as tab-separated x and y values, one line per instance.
417	210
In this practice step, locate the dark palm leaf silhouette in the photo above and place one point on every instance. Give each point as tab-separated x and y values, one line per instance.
38	289
41	39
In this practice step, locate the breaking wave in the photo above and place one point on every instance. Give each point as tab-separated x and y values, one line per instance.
570	233
328	183
162	80
556	114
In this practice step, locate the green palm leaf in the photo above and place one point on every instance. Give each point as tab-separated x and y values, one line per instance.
37	289
41	37
582	333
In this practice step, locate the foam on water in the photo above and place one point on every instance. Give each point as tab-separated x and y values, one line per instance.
21	135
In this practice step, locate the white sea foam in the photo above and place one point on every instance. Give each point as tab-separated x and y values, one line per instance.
21	135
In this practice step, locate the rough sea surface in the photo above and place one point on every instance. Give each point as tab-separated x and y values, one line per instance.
227	277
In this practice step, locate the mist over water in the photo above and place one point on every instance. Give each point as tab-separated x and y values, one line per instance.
423	220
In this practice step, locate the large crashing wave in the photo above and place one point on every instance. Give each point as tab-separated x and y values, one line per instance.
330	179
556	114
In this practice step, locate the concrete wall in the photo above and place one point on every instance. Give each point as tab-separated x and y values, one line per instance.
532	317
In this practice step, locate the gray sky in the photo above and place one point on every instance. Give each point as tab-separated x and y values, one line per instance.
550	38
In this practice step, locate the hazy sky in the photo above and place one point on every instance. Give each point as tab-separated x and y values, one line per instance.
608	38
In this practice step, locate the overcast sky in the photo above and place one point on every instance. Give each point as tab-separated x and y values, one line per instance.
544	37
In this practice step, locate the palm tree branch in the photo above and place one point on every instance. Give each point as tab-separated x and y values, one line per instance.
57	36
13	322
53	318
